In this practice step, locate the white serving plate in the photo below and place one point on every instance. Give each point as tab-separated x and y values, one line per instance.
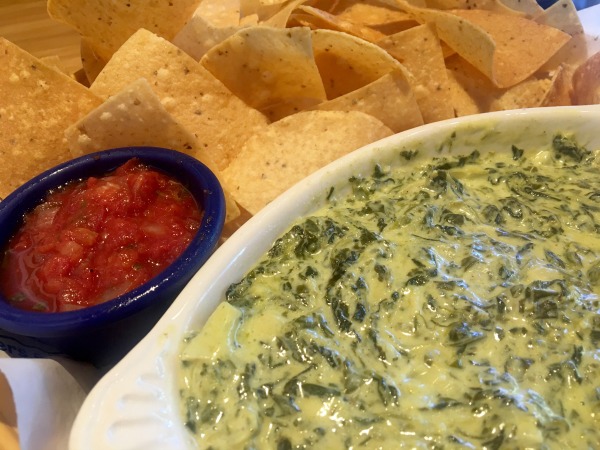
136	405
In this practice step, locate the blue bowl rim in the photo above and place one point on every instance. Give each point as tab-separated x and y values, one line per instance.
196	176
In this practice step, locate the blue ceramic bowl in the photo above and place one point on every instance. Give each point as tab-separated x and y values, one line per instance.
103	333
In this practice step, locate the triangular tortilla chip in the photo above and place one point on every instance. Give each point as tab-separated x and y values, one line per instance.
543	89
559	93
91	62
518	47
573	53
271	69
563	16
463	103
280	19
37	104
108	23
135	116
529	7
506	48
419	50
488	5
527	94
477	86
586	82
375	17
325	20
472	83
191	94
380	17
55	62
261	9
371	13
389	99
219	13
213	22
269	162
347	63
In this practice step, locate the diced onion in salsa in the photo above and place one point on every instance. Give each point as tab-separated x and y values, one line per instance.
95	239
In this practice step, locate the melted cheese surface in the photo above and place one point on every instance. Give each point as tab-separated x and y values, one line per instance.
446	303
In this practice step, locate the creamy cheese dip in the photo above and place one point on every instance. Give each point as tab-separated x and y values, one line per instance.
446	303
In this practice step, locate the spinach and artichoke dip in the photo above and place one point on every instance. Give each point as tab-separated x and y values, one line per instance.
446	303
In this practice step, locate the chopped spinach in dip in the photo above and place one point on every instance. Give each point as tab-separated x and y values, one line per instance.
445	303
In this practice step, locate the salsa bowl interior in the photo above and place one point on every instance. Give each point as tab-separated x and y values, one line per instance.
140	397
103	333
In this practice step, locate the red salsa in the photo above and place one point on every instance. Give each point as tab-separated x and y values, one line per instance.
98	238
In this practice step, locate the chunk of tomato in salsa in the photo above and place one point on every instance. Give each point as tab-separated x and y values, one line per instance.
95	239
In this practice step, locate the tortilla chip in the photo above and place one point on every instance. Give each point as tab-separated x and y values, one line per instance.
347	63
272	13
415	3
463	103
219	13
213	22
506	48
551	89
191	94
280	19
271	69
262	9
92	63
543	89
249	21
9	433
509	50
232	226
559	93
527	94
586	82
135	116
373	14
81	78
56	63
325	20
563	16
573	53
488	5
389	99
249	7
530	8
419	50
477	86
297	20
269	163
107	24
38	103
395	27
9	436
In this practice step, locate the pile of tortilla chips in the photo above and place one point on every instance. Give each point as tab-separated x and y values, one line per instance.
267	91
